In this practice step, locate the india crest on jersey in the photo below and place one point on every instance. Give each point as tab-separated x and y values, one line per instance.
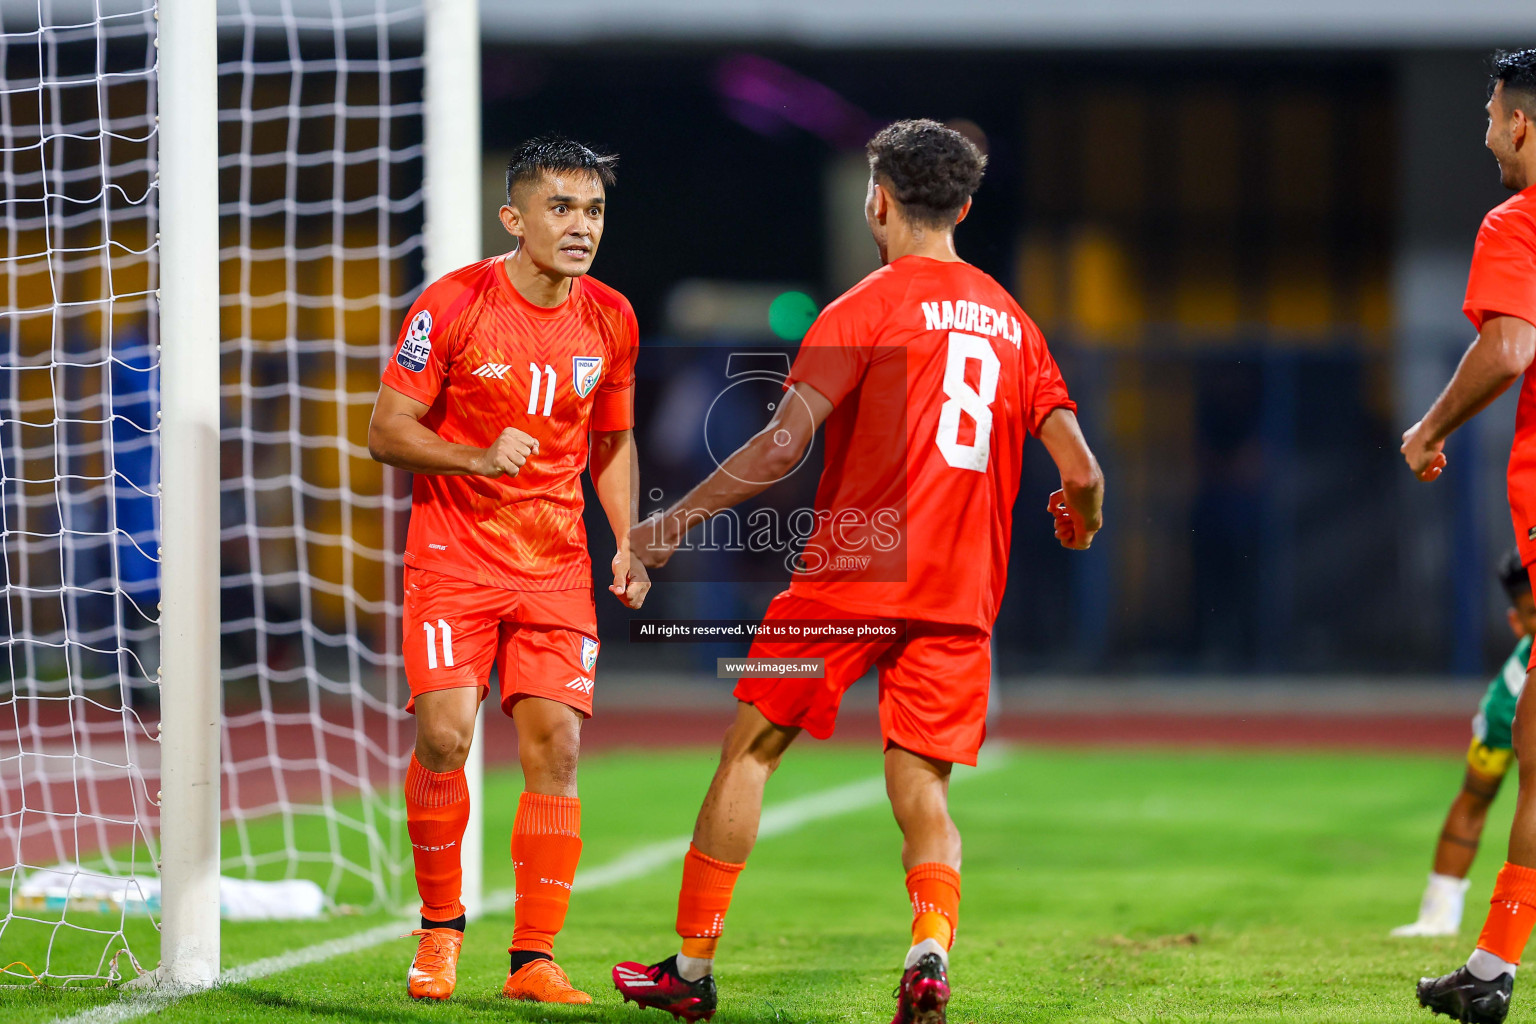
585	372
588	653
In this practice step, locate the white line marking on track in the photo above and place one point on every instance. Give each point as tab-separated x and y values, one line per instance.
642	860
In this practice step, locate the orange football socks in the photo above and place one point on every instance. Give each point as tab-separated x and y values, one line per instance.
436	811
935	892
546	845
703	901
1512	914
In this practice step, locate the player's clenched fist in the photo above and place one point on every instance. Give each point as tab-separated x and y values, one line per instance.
1425	458
1072	529
630	580
507	454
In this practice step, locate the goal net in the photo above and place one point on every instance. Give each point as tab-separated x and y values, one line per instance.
321	212
320	143
78	486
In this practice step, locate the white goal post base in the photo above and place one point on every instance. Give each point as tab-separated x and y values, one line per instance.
188	974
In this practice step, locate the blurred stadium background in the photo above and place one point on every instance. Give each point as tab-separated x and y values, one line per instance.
1245	230
1245	233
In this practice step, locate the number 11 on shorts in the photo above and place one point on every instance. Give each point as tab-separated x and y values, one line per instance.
432	643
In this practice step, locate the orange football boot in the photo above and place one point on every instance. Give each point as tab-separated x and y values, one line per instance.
435	970
542	981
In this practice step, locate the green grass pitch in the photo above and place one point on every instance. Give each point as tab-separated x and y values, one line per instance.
1098	886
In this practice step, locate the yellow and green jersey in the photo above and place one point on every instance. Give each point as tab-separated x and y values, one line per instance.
1491	727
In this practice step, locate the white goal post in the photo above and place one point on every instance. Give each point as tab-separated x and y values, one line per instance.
452	229
451	188
189	624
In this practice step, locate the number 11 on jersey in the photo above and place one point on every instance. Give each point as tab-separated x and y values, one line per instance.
549	389
432	643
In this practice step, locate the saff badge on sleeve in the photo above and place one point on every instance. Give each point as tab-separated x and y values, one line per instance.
416	349
586	371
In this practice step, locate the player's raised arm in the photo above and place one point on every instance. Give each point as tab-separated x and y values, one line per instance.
616	478
766	458
1502	351
397	437
1078	506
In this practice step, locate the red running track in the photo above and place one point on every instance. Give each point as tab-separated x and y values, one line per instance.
1403	733
52	810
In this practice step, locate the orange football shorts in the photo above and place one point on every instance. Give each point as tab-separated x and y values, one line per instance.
543	643
933	684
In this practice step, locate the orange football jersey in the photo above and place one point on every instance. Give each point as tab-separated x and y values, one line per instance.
484	358
1503	282
936	375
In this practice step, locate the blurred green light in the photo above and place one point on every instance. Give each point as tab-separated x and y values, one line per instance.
790	315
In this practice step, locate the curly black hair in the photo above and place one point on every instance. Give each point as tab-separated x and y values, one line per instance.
1517	70
931	170
543	154
1513	576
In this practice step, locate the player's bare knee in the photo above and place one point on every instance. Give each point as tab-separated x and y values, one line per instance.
746	755
559	760
1478	791
1525	767
550	771
1522	737
754	742
551	754
921	811
554	747
443	746
761	749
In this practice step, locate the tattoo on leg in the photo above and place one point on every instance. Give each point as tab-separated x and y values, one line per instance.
1482	792
1446	837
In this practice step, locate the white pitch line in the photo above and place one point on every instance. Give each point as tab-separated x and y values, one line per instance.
638	862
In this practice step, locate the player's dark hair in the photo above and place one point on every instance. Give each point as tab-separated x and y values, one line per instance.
1517	70
545	154
1513	576
931	170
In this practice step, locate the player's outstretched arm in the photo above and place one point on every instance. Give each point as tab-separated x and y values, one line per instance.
616	478
1503	350
1078	508
766	458
396	437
